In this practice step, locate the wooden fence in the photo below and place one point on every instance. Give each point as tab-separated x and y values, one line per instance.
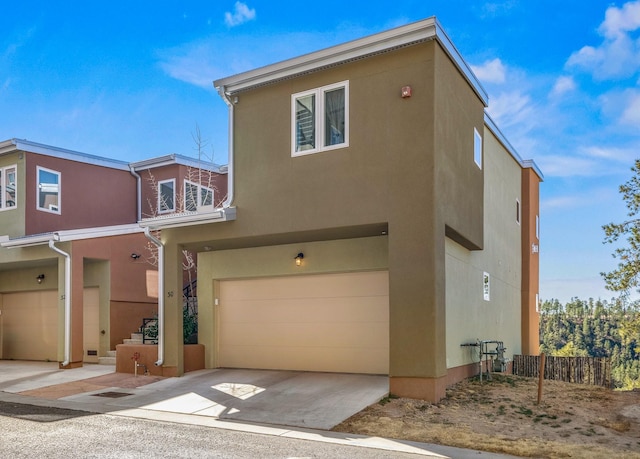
595	371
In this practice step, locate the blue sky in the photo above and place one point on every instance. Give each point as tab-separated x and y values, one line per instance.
131	80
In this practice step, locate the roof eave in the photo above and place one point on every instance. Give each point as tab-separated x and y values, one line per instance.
70	235
172	159
13	145
410	34
189	219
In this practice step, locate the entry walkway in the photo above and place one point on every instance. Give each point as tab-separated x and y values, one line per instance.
284	403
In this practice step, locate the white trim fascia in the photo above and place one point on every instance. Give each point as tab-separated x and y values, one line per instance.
410	34
189	219
71	235
14	145
97	232
168	160
27	241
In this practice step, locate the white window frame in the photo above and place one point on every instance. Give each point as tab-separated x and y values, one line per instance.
54	209
4	183
319	121
199	202
537	227
477	148
172	208
518	211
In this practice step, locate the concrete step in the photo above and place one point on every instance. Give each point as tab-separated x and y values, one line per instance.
107	360
111	354
132	341
136	336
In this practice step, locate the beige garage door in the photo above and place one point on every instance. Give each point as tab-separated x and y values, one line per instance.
29	325
328	322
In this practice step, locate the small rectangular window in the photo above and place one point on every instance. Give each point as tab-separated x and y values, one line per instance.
8	188
320	119
166	196
196	196
537	227
477	148
518	211
49	188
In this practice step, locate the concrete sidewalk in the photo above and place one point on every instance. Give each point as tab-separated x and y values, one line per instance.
284	403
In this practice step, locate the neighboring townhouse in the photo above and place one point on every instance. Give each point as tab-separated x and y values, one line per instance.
376	221
76	270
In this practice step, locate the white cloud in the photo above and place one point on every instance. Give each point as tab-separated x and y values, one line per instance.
622	155
241	14
492	71
560	202
563	85
620	20
569	166
192	64
618	56
512	108
631	114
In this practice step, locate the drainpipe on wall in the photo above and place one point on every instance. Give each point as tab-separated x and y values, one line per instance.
138	192
67	300
160	247
230	173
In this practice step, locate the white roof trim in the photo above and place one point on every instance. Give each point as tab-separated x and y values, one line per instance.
189	219
71	235
13	145
524	163
417	32
171	159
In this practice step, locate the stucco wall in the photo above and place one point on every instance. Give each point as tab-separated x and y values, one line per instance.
90	196
469	316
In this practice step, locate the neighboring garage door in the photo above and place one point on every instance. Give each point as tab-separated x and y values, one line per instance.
30	325
325	322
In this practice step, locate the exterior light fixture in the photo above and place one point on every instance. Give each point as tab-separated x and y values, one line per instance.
299	258
40	278
135	256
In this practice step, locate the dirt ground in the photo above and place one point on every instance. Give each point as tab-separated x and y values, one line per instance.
502	415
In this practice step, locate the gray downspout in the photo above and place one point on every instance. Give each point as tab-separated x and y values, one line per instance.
230	171
160	247
67	301
138	192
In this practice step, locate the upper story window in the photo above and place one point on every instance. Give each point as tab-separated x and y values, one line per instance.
166	196
196	196
49	184
320	119
477	148
518	211
8	188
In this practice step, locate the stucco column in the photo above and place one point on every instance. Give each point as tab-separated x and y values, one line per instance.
417	310
173	339
206	310
77	309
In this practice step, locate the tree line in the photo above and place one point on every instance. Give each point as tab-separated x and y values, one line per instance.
595	328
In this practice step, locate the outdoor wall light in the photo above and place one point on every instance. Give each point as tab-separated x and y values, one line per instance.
135	256
299	258
40	278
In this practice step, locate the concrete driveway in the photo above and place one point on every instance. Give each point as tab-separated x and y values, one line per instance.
286	398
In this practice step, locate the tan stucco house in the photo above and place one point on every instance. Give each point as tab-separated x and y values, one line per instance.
376	220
